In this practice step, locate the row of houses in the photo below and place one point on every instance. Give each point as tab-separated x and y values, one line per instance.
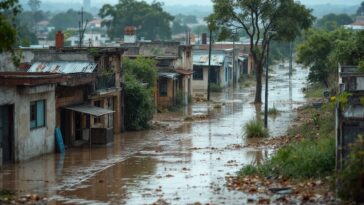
80	91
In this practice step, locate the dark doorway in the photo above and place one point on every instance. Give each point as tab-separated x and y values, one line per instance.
6	133
78	127
214	74
65	127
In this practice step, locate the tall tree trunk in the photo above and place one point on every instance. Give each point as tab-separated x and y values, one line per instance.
258	75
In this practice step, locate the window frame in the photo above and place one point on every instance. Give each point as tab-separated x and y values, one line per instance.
163	87
197	73
33	114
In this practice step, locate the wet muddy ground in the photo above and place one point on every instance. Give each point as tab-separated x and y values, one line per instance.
183	163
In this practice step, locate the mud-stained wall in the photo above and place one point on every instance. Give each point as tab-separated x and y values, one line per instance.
34	142
28	142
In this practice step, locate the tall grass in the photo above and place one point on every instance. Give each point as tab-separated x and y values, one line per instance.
255	128
314	156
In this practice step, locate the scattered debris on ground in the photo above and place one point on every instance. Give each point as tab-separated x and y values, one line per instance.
11	198
281	190
196	117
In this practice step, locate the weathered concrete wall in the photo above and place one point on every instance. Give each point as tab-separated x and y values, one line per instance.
165	101
33	142
199	87
7	95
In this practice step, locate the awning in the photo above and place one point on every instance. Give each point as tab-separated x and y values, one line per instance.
90	110
169	75
242	58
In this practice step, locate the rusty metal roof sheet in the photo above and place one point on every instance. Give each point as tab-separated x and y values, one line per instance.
203	59
63	67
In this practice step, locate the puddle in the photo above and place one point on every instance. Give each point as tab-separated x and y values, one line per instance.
182	166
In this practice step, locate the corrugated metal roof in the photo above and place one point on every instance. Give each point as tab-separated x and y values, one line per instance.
203	59
355	112
90	110
63	67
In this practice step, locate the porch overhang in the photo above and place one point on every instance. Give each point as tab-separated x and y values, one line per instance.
90	110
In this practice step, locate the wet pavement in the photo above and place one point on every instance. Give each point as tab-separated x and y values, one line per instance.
182	164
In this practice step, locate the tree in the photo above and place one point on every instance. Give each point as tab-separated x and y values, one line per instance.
360	11
178	27
152	22
140	78
323	50
34	5
262	20
186	19
332	21
69	19
8	9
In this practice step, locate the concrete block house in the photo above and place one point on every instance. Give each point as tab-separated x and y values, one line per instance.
27	115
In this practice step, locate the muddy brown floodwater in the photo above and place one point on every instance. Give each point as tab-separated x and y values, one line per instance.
184	164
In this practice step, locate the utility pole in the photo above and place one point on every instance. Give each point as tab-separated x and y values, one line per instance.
234	74
209	69
81	29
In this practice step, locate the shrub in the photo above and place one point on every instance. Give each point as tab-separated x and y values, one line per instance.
273	111
215	87
314	156
351	177
139	104
255	128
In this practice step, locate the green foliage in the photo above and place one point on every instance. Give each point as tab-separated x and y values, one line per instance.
314	156
178	27
255	128
322	51
248	170
273	111
215	87
360	11
343	98
333	21
140	77
144	69
69	19
152	21
139	104
186	19
351	177
284	19
6	194
361	66
8	10
315	91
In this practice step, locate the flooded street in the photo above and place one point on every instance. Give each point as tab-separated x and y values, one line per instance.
182	164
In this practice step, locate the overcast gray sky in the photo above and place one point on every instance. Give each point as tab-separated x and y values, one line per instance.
208	2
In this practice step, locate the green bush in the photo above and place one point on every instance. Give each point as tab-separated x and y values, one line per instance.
255	128
215	88
273	111
139	104
314	156
351	177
